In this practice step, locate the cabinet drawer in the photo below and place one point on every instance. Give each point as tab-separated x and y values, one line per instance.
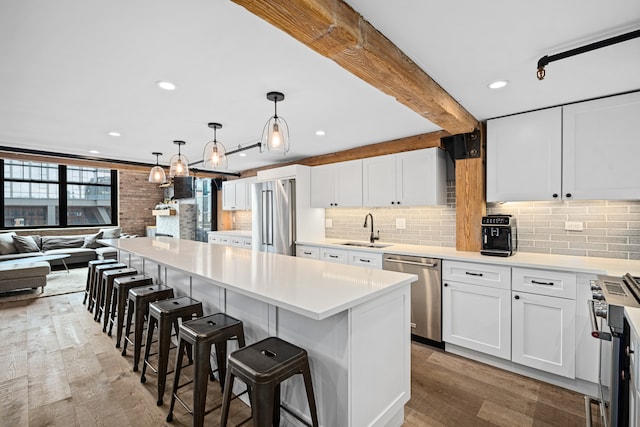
493	276
224	240
247	242
334	255
213	238
308	252
365	259
544	282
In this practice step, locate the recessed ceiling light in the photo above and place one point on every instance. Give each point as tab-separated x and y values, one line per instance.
94	151
242	154
320	132
114	134
498	84
165	85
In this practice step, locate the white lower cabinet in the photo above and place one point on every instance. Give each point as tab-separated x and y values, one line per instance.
477	317
339	256
304	251
544	333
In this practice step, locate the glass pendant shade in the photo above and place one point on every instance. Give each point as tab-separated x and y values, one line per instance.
275	135
179	163
214	155
157	175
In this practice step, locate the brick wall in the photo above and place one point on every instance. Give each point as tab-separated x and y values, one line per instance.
137	198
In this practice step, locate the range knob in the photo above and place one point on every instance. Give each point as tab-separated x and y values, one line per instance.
595	286
597	295
600	309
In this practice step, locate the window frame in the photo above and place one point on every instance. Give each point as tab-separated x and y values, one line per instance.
63	204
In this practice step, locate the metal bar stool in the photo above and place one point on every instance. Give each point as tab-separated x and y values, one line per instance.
200	334
263	366
139	300
106	292
121	286
97	280
164	314
91	269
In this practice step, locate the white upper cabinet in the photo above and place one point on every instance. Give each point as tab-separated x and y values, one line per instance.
524	156
236	194
601	147
582	151
337	185
412	178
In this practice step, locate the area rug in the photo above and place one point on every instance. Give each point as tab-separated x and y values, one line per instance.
58	282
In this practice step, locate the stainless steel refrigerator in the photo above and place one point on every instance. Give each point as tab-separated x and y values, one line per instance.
273	216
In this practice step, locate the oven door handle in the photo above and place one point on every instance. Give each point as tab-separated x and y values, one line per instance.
595	331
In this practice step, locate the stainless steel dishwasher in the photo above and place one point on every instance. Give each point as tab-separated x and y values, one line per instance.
426	295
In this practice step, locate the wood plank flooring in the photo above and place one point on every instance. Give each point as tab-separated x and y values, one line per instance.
59	369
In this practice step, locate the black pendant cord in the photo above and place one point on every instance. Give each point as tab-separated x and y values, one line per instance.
545	60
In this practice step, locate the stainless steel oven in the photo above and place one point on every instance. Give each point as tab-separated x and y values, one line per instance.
610	296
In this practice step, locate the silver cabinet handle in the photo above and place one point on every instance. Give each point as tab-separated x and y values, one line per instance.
399	261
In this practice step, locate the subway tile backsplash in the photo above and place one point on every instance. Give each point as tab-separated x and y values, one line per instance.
611	229
426	225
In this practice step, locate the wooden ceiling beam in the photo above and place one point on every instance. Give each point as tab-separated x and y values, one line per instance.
410	143
333	29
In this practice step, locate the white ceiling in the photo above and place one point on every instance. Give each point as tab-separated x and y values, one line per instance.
73	70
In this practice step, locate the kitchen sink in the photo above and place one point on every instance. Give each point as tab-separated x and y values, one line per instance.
364	245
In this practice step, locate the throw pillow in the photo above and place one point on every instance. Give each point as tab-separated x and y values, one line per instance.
6	244
111	233
61	242
25	244
90	241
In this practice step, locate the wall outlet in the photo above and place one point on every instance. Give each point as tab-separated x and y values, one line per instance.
328	223
574	226
401	223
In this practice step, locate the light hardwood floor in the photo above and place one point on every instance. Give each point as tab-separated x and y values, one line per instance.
57	368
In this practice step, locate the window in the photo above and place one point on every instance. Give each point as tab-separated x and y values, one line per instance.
39	194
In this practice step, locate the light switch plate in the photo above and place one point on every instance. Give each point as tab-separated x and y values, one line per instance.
574	226
401	223
328	223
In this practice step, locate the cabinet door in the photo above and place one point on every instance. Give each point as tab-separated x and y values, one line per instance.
334	255
323	186
544	333
228	195
348	183
366	259
379	181
524	156
421	177
477	317
311	252
601	147
241	195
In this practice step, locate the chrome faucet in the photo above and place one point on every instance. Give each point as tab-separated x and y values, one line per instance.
372	238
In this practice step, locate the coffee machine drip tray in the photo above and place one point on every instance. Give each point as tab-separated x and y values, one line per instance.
496	252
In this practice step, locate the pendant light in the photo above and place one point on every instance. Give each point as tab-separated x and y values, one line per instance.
179	163
157	175
275	135
214	155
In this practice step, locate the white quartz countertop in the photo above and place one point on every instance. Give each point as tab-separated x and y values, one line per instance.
588	265
314	289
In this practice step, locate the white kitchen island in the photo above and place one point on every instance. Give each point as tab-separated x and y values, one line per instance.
354	322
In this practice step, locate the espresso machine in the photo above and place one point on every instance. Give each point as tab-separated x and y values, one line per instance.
499	235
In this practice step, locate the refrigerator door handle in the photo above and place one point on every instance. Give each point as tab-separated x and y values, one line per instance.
267	217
